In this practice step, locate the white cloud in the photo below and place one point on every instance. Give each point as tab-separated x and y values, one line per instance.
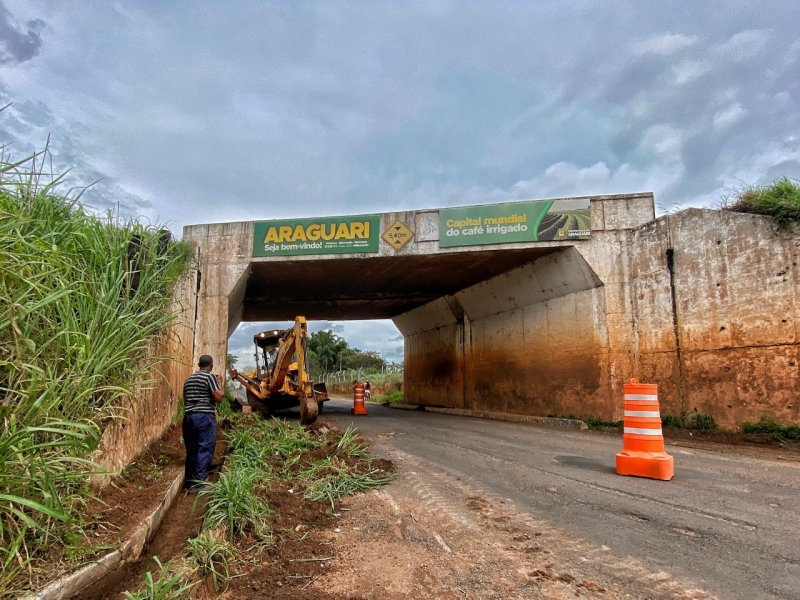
665	44
729	116
743	45
792	54
689	70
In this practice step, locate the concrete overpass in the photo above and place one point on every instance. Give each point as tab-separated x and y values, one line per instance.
493	318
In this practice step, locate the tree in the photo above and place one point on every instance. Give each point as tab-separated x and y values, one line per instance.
326	350
358	359
232	360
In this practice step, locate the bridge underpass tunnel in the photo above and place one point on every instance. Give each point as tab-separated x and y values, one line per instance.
526	327
339	350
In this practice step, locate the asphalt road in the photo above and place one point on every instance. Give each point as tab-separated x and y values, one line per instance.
727	521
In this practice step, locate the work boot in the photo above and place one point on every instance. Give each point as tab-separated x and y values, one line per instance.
200	487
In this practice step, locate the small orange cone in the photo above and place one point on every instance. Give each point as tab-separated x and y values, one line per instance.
643	453
359	408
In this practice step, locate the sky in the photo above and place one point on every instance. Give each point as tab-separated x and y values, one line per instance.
195	112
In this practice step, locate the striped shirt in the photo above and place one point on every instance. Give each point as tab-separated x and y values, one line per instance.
197	393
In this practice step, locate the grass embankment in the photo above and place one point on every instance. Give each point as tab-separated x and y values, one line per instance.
780	200
388	397
266	458
82	301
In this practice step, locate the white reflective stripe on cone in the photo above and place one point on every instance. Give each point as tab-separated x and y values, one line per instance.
643	413
642	431
642	397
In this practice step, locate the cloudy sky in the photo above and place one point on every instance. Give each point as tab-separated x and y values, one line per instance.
191	112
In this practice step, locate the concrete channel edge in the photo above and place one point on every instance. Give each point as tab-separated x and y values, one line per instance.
129	550
482	414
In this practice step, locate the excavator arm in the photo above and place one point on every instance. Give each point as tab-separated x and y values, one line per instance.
293	345
282	381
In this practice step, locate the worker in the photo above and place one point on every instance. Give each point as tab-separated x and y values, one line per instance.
201	392
367	390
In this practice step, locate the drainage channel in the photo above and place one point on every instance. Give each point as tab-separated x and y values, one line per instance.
181	522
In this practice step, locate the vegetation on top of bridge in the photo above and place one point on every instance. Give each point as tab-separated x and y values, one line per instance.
84	299
780	200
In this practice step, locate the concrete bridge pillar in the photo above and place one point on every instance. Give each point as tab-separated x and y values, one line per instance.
223	266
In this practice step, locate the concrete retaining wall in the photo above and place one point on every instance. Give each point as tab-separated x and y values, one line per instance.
533	341
730	345
703	303
149	416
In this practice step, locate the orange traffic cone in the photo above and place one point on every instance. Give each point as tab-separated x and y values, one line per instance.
359	408
643	452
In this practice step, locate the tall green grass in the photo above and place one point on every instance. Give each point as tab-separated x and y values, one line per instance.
780	200
78	322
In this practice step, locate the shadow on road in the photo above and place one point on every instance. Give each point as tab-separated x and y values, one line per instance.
584	463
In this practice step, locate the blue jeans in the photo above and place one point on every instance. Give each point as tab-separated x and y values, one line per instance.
200	439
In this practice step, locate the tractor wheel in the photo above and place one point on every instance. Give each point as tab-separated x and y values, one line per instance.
308	410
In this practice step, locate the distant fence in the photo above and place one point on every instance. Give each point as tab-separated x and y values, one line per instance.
353	375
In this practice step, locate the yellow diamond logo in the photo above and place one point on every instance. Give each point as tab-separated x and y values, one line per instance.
398	235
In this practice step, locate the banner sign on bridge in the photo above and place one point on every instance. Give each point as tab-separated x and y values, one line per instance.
534	221
324	235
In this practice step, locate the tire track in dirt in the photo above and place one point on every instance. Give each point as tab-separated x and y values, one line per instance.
451	498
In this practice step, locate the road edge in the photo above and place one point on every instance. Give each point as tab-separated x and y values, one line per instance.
483	414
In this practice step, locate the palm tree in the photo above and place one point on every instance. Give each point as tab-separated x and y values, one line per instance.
327	347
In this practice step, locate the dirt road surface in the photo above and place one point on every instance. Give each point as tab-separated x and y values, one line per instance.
490	509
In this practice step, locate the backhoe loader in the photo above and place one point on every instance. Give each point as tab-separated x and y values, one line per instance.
281	379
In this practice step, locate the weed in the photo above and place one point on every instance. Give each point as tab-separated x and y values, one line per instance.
155	474
670	420
233	504
331	479
78	553
700	421
351	444
245	450
178	416
211	555
171	584
769	426
286	439
596	423
780	200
